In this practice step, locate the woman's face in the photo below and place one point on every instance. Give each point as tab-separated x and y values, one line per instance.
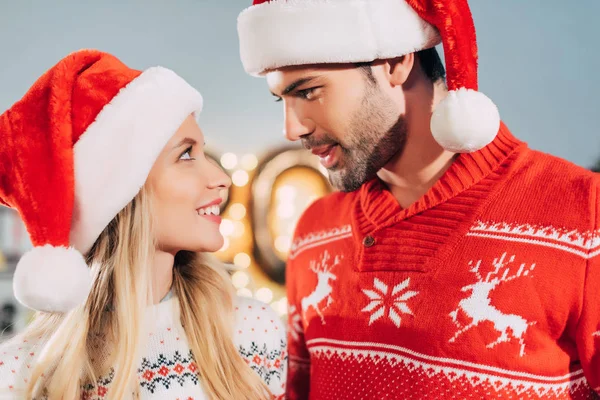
185	188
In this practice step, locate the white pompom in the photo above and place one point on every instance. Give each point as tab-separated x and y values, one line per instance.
465	121
52	279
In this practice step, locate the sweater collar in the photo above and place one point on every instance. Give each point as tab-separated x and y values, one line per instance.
380	208
164	314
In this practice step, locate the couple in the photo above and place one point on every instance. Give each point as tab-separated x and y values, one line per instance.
454	262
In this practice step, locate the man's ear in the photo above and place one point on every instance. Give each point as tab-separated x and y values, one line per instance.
398	69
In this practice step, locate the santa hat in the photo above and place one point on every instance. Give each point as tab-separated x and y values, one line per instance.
76	149
280	33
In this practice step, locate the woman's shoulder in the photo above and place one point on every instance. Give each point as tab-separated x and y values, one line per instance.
255	317
16	361
260	337
257	324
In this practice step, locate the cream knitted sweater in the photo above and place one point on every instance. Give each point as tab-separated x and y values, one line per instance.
167	369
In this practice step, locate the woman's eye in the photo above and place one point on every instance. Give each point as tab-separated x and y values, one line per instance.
187	154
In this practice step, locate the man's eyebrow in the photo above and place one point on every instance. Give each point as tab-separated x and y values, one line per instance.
294	85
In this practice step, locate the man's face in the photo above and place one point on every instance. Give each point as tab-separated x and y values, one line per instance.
341	115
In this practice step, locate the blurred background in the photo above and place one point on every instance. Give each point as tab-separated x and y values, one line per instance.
539	62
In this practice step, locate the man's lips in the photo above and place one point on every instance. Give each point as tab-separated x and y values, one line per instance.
329	155
322	151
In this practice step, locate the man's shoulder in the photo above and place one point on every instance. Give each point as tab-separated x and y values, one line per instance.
328	212
334	199
545	177
547	190
561	170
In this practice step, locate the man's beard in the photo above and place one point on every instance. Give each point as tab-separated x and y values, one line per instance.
376	134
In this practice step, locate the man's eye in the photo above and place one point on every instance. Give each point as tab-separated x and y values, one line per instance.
306	94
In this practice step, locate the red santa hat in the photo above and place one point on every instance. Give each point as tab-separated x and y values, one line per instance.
280	33
76	149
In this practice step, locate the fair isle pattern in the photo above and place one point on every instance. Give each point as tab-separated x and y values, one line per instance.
318	239
165	371
446	372
161	372
267	363
98	392
583	244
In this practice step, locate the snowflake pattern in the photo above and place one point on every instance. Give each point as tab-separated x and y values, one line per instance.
394	303
597	334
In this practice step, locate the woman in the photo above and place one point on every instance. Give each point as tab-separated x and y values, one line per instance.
105	165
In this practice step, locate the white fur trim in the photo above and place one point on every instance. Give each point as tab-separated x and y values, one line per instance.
299	32
53	279
465	121
115	154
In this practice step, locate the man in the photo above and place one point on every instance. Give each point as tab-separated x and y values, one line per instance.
454	262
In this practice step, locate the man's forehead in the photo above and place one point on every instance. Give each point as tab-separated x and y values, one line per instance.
278	80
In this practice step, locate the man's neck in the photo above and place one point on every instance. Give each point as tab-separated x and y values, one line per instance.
423	161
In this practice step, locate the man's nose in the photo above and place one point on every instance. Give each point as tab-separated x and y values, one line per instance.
296	125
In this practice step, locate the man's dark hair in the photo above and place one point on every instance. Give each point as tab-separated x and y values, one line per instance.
431	64
429	60
596	168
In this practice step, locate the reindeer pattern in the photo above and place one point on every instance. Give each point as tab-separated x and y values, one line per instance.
323	290
295	327
478	305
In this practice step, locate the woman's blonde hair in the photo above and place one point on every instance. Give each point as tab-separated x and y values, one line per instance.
111	322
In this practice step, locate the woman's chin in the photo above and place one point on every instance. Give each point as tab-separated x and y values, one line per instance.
208	246
196	241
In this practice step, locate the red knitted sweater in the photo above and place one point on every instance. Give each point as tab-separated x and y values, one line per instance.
487	287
